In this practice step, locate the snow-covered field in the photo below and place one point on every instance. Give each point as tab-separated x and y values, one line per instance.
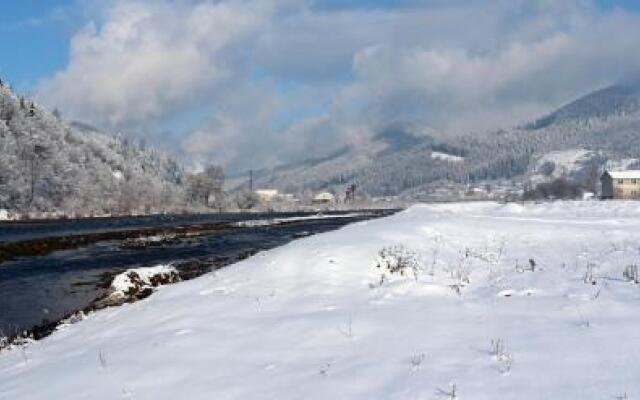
510	302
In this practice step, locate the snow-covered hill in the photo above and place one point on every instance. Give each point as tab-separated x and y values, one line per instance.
400	157
494	302
48	165
617	100
577	165
403	157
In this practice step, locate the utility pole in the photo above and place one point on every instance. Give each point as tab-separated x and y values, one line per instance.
251	180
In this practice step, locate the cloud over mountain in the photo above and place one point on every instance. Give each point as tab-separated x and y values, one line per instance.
275	81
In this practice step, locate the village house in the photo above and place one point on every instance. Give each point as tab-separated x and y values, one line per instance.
621	185
267	195
324	198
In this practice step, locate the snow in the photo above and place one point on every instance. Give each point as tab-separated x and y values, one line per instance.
575	164
4	215
622	164
436	155
122	283
567	159
278	221
631	174
517	301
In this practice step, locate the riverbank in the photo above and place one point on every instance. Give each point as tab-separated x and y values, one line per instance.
141	233
58	277
479	301
184	270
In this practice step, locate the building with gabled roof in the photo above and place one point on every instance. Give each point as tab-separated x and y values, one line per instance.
623	185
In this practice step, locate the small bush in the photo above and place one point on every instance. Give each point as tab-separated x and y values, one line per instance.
504	358
559	188
631	274
416	361
589	278
398	260
531	266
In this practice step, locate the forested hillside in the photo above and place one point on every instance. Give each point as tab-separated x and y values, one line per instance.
48	165
606	121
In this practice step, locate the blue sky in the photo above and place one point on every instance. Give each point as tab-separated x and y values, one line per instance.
37	33
633	5
37	39
271	81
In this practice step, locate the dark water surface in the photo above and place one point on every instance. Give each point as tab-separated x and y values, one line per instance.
46	288
24	230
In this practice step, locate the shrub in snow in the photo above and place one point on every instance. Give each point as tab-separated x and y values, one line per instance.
348	330
498	351
398	260
450	394
559	188
531	266
435	252
631	273
417	360
588	275
103	360
488	254
324	370
460	274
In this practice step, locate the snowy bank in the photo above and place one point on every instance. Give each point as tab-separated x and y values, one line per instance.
485	300
138	283
278	221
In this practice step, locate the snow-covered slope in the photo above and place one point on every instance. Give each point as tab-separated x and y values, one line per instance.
399	157
616	100
578	165
510	302
406	156
48	165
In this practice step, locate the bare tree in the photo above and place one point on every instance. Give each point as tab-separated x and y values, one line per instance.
214	184
34	163
593	176
247	200
206	187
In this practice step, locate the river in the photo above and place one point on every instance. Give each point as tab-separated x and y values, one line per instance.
38	289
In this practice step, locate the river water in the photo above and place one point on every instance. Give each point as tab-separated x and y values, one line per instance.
39	289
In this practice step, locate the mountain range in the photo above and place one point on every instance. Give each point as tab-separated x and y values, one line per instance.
409	159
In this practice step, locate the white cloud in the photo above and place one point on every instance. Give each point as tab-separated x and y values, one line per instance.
150	58
290	79
466	88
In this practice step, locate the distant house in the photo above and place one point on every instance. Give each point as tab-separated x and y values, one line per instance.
267	195
324	198
621	184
